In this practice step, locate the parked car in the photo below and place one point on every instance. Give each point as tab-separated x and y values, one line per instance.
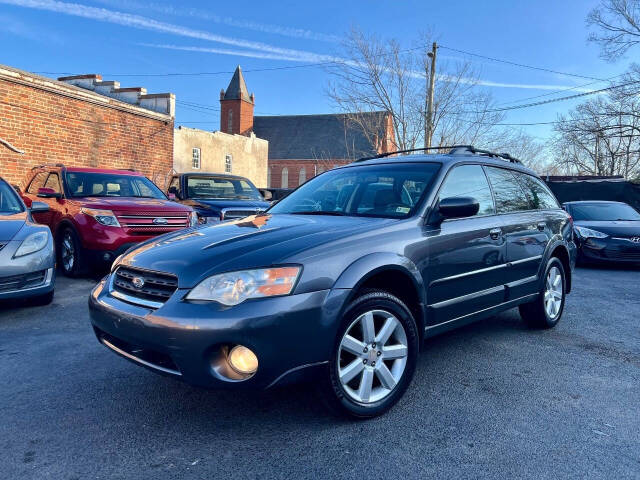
217	197
27	256
97	214
606	231
333	280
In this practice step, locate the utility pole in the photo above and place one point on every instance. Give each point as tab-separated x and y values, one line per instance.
428	124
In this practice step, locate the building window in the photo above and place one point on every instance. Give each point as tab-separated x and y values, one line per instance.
269	177
285	177
302	176
230	122
195	158
227	163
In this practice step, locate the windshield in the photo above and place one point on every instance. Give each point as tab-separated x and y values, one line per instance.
390	191
9	202
84	184
604	212
221	188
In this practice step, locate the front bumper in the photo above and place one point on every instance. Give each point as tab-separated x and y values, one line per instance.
289	334
614	250
28	276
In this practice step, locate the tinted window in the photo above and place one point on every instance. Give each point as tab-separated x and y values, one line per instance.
469	181
510	196
603	211
53	182
221	188
9	202
539	196
391	191
86	184
37	182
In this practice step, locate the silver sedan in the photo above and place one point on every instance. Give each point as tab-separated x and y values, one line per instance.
27	257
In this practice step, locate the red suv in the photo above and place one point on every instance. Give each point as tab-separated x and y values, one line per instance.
96	214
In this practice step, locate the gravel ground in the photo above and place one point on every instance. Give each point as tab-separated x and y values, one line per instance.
492	400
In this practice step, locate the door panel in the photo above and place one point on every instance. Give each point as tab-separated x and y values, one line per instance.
465	269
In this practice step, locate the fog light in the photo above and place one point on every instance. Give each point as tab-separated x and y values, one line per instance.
243	360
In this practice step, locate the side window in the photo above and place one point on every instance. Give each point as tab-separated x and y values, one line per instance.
36	183
53	182
469	181
539	195
510	196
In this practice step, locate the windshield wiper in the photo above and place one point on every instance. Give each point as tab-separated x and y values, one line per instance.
320	212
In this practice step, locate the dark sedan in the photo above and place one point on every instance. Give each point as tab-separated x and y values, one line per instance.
344	277
606	231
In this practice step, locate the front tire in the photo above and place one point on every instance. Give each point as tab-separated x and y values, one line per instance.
70	255
374	356
545	311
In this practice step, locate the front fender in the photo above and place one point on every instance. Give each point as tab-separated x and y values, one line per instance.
365	267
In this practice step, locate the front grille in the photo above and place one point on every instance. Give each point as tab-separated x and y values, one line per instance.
231	214
620	254
20	282
143	284
152	223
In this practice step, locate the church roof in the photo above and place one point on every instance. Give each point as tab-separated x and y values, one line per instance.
329	136
237	88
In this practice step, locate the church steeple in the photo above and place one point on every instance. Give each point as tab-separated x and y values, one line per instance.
236	106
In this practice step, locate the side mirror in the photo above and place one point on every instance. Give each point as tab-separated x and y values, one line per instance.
48	193
39	207
458	207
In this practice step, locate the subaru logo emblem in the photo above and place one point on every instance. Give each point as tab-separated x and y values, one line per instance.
137	282
160	221
635	239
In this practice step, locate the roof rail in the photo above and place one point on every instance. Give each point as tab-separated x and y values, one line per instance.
462	149
451	150
424	149
48	165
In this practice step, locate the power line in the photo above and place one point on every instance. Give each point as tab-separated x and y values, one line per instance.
552	100
508	62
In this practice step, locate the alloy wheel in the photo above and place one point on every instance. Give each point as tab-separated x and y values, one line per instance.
553	292
68	252
372	356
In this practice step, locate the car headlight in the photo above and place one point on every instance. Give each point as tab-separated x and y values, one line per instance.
584	232
103	217
193	219
33	243
235	287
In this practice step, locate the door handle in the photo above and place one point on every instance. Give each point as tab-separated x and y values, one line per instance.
542	226
494	233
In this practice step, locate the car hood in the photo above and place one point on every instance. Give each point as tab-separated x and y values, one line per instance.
11	224
131	203
619	228
253	242
218	205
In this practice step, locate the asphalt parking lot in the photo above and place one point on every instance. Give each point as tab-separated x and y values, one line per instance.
492	400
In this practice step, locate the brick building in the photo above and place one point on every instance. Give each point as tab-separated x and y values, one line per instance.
82	121
302	146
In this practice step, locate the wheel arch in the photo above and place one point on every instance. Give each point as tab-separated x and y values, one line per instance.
392	273
561	252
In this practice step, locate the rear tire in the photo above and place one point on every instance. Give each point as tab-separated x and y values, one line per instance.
374	356
545	311
70	254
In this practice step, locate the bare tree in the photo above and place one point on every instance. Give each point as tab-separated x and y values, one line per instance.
617	24
602	135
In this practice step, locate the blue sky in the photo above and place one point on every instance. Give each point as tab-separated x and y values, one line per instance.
157	36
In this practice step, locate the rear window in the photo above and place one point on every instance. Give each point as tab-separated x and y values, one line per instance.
221	188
